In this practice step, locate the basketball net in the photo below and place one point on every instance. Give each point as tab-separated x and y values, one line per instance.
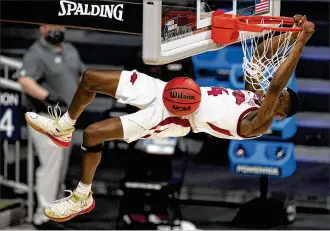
259	66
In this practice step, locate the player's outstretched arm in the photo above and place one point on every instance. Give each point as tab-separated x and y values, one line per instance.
282	76
276	42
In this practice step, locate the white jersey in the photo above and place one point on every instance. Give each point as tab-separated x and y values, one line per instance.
221	111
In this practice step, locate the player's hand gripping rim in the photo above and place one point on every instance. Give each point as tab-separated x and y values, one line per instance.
307	27
299	20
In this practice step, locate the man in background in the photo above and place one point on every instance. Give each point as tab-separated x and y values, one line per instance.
49	75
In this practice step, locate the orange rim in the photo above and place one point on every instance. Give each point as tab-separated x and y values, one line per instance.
251	23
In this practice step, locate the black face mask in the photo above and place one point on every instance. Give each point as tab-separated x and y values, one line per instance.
55	36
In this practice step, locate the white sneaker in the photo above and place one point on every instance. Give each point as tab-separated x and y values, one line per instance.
50	127
69	207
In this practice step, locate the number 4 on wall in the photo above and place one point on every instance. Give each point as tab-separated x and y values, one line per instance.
6	122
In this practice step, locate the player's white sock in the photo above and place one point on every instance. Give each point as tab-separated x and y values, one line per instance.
66	122
83	189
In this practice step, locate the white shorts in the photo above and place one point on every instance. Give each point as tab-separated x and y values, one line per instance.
153	120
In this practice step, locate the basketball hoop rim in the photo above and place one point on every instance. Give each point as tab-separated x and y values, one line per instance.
252	23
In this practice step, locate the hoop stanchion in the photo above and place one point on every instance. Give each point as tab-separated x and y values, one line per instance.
262	158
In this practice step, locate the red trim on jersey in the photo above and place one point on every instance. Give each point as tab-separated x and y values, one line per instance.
241	117
159	131
219	130
146	136
173	120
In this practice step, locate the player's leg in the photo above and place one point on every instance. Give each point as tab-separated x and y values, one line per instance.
130	87
143	123
129	128
94	135
81	200
60	129
92	82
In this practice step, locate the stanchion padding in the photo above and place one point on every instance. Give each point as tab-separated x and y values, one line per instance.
282	129
262	158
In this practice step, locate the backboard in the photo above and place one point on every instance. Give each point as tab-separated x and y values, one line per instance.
174	30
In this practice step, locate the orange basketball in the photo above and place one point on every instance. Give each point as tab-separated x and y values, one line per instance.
181	96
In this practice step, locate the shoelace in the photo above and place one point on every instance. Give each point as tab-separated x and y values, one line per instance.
55	113
66	198
64	205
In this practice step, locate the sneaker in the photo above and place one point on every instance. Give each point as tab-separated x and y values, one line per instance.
69	207
50	127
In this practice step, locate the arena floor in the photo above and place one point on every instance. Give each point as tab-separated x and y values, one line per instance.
104	216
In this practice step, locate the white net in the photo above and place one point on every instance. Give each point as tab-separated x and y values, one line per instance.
263	54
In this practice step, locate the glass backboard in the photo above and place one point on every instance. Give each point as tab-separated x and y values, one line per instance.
173	30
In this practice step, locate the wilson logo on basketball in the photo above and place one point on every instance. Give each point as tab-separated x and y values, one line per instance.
177	108
181	95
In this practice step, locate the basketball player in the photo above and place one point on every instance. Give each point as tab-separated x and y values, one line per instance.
223	113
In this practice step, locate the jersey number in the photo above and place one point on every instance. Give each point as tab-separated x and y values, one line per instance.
240	98
215	91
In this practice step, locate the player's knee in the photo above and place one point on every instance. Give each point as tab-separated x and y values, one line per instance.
91	135
89	78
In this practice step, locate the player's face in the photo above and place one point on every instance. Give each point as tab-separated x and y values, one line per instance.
282	105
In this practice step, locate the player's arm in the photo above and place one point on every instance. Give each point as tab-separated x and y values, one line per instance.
260	52
277	41
281	78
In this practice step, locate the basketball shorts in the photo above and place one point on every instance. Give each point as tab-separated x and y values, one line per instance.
153	120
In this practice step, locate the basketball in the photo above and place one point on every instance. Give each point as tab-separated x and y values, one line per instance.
181	96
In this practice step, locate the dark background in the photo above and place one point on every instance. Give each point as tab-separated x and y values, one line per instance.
209	186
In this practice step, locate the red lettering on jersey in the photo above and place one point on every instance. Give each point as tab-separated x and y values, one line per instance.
215	91
133	78
240	97
219	130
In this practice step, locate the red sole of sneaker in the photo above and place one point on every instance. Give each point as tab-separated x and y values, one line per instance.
56	141
90	208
